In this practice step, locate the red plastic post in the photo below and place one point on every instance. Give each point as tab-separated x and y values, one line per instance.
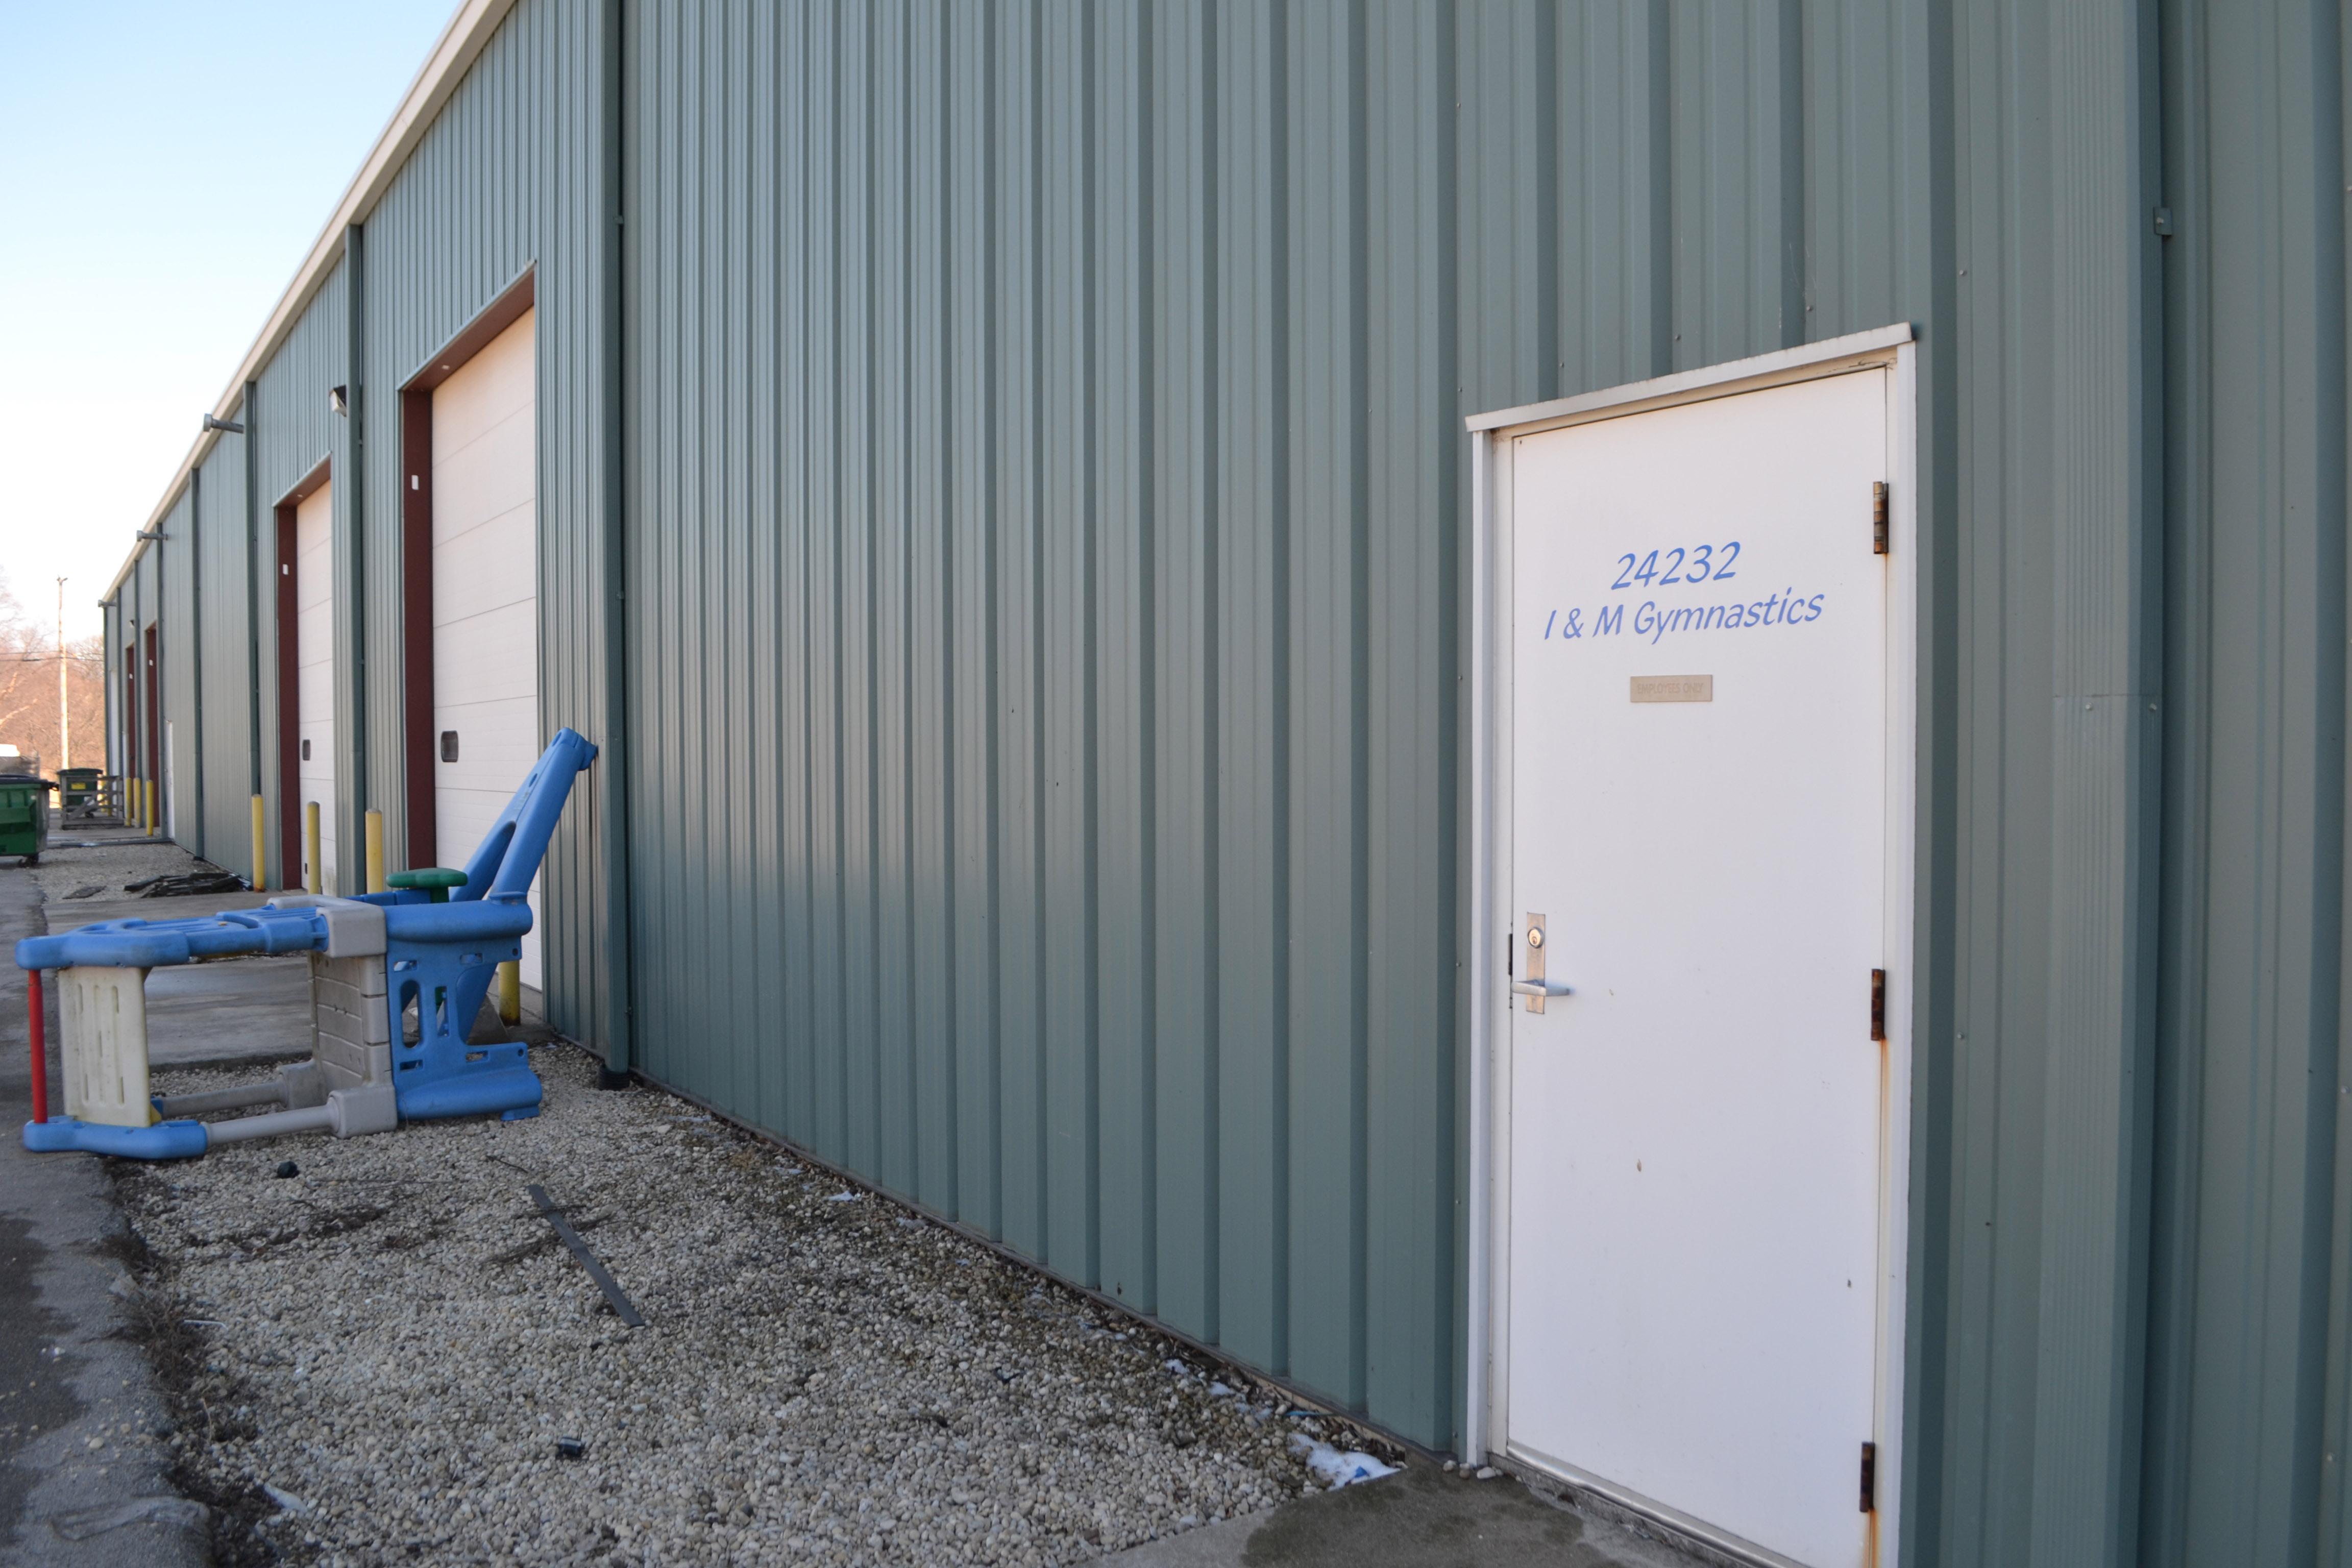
40	1046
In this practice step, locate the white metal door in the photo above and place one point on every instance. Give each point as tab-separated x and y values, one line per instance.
314	641
486	598
1699	806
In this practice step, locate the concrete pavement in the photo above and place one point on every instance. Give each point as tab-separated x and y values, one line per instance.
239	1009
83	1482
1421	1517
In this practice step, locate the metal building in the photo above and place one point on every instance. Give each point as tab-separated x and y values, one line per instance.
1012	487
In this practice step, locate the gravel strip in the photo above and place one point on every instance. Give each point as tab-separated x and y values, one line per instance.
376	1359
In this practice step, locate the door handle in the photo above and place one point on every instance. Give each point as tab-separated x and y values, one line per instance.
1540	988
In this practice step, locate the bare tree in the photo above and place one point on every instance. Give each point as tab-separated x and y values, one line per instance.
29	687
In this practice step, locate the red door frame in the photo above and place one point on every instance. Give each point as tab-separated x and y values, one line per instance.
154	774
129	715
290	699
289	654
421	746
422	790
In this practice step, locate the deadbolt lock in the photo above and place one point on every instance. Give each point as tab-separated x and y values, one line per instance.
1532	985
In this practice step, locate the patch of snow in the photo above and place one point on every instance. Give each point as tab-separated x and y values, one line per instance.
843	1197
1336	1469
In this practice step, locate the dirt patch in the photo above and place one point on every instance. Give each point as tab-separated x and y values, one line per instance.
210	1404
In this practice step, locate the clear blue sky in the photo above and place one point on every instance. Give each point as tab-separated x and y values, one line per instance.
163	169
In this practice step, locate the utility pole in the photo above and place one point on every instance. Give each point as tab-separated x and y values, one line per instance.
65	730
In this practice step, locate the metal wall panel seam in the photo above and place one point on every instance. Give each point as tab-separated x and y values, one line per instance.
1250	476
930	610
1325	1000
249	415
1121	703
2104	801
2244	1376
974	487
854	560
760	759
351	737
1069	950
1926	70
1013	437
196	635
2190	800
1184	508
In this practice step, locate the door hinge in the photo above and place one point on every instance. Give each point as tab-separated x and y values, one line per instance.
1870	1478
1878	517
1878	1003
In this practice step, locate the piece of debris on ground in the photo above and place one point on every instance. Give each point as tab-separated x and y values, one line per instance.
394	1358
205	879
66	869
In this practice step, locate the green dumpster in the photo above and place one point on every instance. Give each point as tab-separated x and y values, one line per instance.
23	815
77	792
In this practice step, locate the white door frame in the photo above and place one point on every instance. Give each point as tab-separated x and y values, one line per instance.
1487	1423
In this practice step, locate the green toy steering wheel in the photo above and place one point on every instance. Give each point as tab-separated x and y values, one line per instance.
437	882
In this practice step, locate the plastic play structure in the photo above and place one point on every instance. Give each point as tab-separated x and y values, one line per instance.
396	979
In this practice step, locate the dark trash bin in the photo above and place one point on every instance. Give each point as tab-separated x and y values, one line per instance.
23	815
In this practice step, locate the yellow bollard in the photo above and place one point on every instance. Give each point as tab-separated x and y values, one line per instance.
147	793
510	992
260	834
375	882
310	846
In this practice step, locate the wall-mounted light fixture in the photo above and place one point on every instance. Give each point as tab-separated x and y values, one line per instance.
338	399
231	425
152	533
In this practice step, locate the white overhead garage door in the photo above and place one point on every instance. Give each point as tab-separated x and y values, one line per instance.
314	640
486	598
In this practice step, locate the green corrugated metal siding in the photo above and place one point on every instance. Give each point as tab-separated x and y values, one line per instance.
171	584
1046	505
1049	552
218	551
293	429
147	586
111	631
1198	1048
2252	1263
505	181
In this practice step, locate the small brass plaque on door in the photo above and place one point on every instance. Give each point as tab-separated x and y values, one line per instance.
1674	688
